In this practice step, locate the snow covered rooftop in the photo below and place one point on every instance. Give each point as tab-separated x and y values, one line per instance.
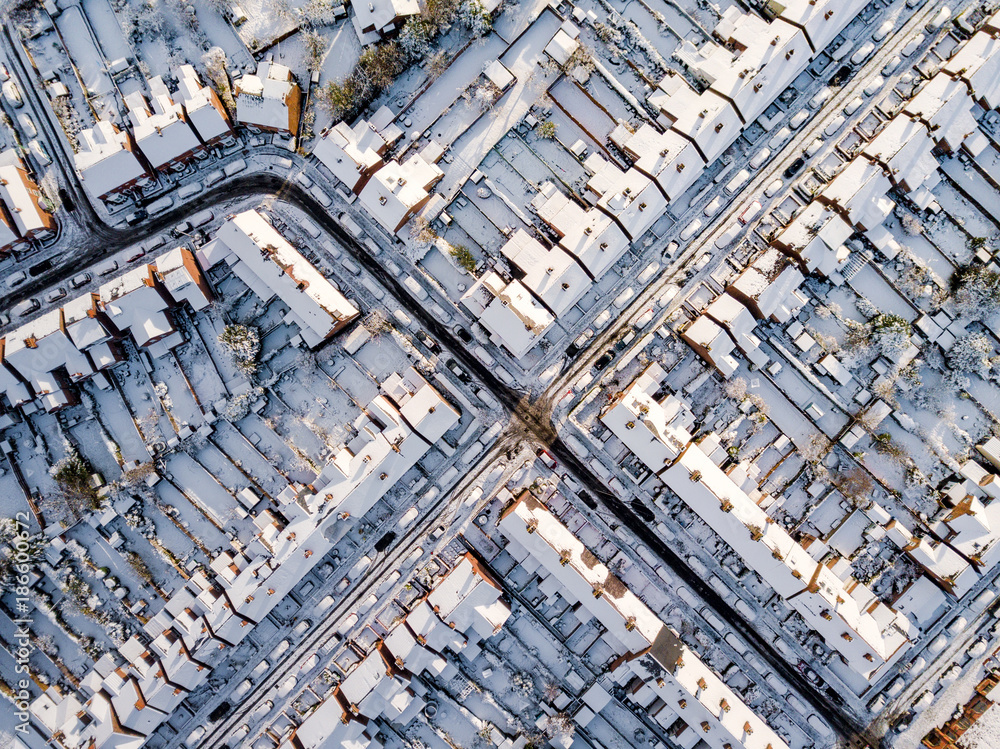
852	621
905	148
135	304
393	433
633	630
202	105
270	99
860	192
397	191
352	154
530	524
39	351
655	430
821	20
631	198
591	235
513	317
978	64
469	599
180	274
163	134
85	322
758	62
945	107
668	157
21	196
551	274
381	16
712	344
816	238
767	286
271	266
105	159
706	119
564	43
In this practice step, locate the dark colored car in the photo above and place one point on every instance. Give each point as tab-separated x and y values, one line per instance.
795	167
428	341
642	511
840	76
606	358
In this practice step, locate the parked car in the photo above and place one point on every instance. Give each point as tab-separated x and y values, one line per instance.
892	64
12	94
27	125
874	85
835	124
16	278
81	280
813	148
458	371
605	359
772	189
853	105
798	119
883	31
821	97
39	152
26	307
107	268
794	168
427	341
758	159
135	217
750	213
912	45
740	179
55	295
861	53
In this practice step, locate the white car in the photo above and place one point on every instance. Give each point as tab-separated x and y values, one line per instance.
40	153
759	158
874	85
55	295
862	52
813	148
819	725
713	207
835	124
923	701
937	645
779	138
16	278
821	97
798	119
12	94
912	45
772	189
26	307
892	64
691	229
853	105
750	213
27	125
943	16
883	31
977	648
741	178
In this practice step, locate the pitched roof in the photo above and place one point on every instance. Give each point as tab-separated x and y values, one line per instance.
270	265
